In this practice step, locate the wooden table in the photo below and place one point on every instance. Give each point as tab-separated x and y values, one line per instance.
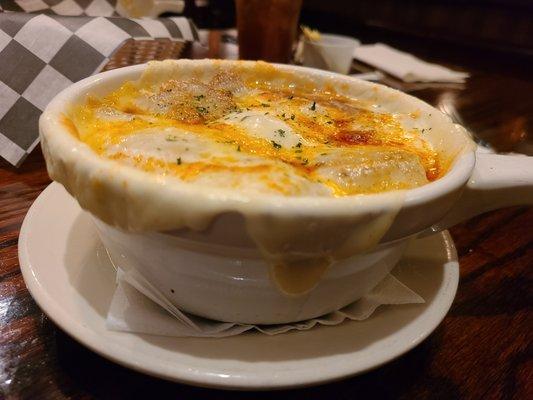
482	349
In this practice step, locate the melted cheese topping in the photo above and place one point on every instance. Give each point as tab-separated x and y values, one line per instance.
257	137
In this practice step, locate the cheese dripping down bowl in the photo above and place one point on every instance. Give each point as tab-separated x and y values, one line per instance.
258	193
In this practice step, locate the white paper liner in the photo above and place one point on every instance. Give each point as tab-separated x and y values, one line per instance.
138	307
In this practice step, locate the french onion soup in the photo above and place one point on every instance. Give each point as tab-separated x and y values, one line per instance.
301	168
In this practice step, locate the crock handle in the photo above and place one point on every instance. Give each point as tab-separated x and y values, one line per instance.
498	181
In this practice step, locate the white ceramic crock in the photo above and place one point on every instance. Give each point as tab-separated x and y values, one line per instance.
215	269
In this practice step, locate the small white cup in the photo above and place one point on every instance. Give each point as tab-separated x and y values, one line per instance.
331	52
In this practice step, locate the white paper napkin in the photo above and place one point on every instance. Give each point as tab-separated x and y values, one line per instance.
405	66
138	307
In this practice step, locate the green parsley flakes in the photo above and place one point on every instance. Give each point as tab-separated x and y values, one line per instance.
277	146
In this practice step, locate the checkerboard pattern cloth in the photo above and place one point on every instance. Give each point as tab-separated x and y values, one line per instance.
92	8
41	54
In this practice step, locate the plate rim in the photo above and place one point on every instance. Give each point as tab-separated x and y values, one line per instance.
192	376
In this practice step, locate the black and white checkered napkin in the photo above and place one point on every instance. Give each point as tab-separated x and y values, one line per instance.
41	54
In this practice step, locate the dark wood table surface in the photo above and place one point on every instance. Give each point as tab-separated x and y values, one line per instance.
482	349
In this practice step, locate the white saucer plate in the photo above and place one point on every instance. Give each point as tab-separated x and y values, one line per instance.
59	257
